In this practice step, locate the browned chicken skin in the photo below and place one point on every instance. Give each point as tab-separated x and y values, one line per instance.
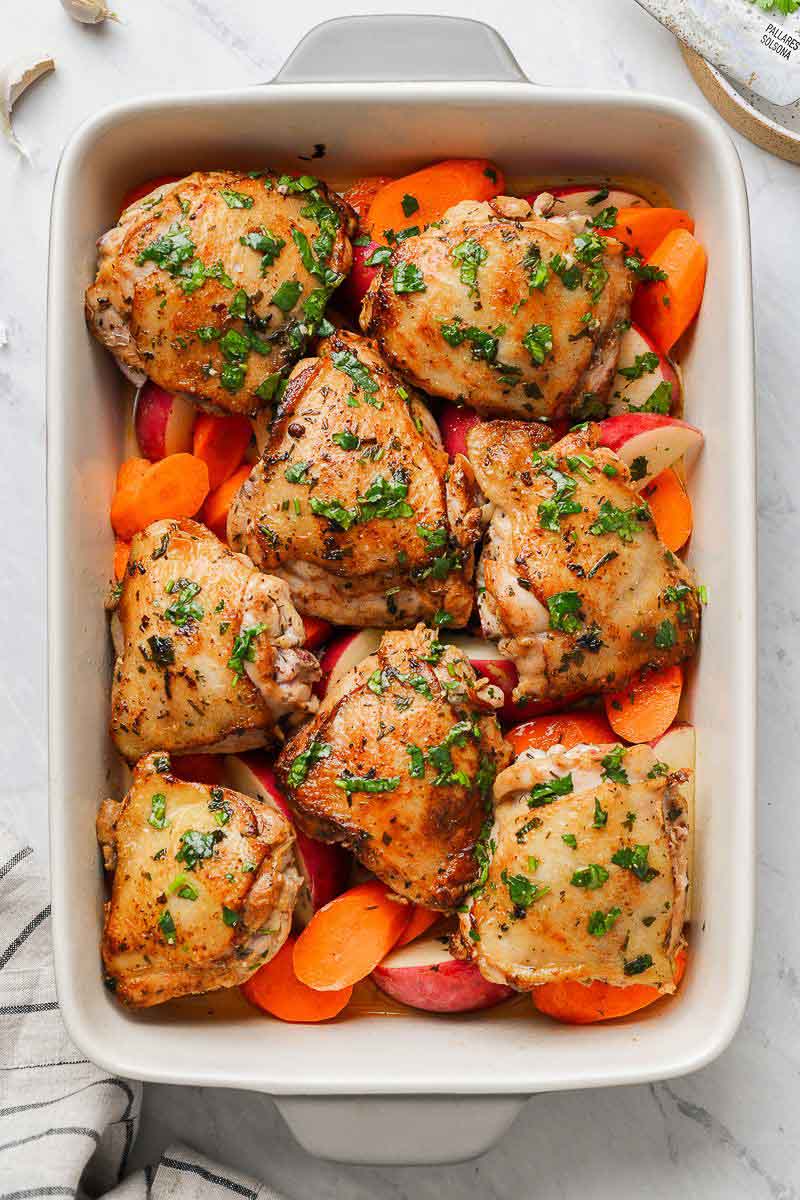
213	285
512	313
588	871
209	651
398	766
579	590
354	502
204	884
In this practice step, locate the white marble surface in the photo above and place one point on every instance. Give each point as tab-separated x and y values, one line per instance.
732	1130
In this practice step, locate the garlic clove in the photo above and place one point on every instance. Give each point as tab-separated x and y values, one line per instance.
15	78
89	12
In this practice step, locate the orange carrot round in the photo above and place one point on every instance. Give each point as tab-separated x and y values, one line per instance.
665	309
671	508
317	632
562	729
221	442
122	552
276	989
584	1003
644	229
426	195
646	708
361	194
176	486
346	939
131	472
421	921
218	502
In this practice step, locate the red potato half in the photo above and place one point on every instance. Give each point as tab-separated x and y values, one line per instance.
629	394
344	653
325	869
651	441
356	285
163	422
576	197
455	422
487	661
425	975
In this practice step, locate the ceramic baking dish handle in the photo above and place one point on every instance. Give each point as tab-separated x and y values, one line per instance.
398	1130
401	48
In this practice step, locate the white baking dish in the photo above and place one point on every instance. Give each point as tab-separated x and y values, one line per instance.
410	1088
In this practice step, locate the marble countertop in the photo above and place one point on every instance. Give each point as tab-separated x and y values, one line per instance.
731	1130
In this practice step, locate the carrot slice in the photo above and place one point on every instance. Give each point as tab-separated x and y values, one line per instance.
665	309
144	189
218	502
131	472
644	229
361	194
176	486
646	708
426	195
563	729
421	921
671	508
122	552
346	939
317	632
276	989
584	1003
221	442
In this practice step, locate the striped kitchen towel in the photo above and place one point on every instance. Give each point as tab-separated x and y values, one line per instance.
67	1127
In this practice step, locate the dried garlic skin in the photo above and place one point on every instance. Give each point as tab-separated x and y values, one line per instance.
89	12
15	78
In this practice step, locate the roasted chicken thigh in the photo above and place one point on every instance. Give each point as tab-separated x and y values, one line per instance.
204	884
209	651
588	870
213	285
575	583
510	312
398	766
353	501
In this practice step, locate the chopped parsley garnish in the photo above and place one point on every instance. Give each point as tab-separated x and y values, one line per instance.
643	272
569	273
346	361
441	759
384	498
162	650
287	295
379	256
417	765
484	345
407	277
181	885
665	635
659	400
170	251
570	840
219	806
183	609
236	199
601	923
158	811
196	846
302	764
600	815
550	790
590	878
295	472
565	611
605	219
409	205
634	859
538	341
598	197
469	256
522	892
613	768
167	927
636	966
638	468
243	649
643	364
346	439
266	243
561	504
534	264
230	916
366	783
624	522
657	770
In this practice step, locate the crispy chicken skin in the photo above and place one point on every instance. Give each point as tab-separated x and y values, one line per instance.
609	902
202	284
209	651
398	765
354	502
580	600
204	884
477	325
